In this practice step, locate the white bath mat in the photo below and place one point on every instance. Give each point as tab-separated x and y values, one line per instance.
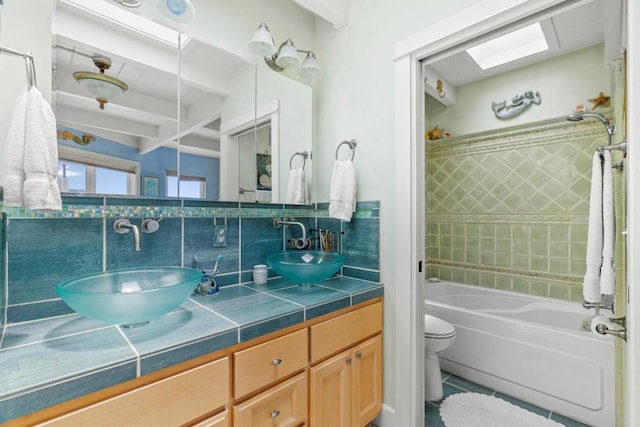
480	410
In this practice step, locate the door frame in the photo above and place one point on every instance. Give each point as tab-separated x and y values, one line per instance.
477	20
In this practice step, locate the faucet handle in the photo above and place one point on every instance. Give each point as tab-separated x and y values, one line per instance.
149	225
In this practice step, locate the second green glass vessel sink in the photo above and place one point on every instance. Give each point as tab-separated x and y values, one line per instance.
306	267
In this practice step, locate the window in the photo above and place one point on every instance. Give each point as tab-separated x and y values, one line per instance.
193	187
81	171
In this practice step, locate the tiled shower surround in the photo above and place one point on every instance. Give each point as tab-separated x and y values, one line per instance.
508	209
41	250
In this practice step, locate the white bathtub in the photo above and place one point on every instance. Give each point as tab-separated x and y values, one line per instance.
528	347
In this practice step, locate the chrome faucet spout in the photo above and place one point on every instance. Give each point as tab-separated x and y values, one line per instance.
123	226
277	222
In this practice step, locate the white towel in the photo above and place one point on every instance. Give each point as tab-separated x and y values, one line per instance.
342	193
13	171
297	193
591	285
607	272
31	155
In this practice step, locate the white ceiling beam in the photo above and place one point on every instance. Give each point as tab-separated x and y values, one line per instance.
90	31
121	138
166	137
206	133
77	117
136	102
336	12
200	114
197	151
197	116
201	77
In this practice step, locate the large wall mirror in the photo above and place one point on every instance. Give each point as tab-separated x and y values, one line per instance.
194	122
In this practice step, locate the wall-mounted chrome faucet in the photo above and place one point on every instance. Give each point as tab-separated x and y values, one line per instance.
301	243
123	226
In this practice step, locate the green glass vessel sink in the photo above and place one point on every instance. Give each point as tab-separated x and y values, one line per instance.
131	296
306	267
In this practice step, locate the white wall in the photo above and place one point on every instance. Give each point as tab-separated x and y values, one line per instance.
21	29
563	83
356	100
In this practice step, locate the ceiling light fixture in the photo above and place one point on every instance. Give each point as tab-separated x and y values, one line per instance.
129	3
517	44
177	10
285	56
103	87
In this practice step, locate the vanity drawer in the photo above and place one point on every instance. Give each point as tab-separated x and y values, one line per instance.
219	420
282	405
173	401
341	332
263	364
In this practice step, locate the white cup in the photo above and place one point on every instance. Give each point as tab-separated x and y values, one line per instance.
260	274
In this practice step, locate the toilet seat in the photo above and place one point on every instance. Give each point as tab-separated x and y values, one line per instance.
436	328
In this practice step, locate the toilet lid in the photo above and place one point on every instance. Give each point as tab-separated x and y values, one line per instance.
434	326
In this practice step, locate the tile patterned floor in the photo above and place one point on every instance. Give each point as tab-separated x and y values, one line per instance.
452	384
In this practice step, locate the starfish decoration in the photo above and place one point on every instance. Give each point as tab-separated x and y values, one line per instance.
601	101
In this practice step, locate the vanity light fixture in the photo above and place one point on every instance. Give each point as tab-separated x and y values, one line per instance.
100	85
285	56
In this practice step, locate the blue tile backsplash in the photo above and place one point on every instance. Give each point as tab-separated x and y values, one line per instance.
44	249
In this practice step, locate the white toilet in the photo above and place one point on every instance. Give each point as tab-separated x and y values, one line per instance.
438	335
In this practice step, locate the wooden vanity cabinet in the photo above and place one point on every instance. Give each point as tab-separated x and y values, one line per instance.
326	372
346	388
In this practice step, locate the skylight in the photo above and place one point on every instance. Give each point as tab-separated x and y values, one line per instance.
509	47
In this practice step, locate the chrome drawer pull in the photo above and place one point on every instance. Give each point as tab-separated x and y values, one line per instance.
276	362
274	414
348	360
358	355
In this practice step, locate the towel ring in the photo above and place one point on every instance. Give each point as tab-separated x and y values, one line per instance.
303	154
352	144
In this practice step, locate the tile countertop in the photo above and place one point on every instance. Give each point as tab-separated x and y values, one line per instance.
46	362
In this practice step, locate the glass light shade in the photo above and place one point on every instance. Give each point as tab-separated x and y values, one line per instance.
102	87
177	10
310	68
288	55
262	43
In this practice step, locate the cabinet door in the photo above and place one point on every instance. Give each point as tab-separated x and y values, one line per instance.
367	381
219	420
282	405
330	392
